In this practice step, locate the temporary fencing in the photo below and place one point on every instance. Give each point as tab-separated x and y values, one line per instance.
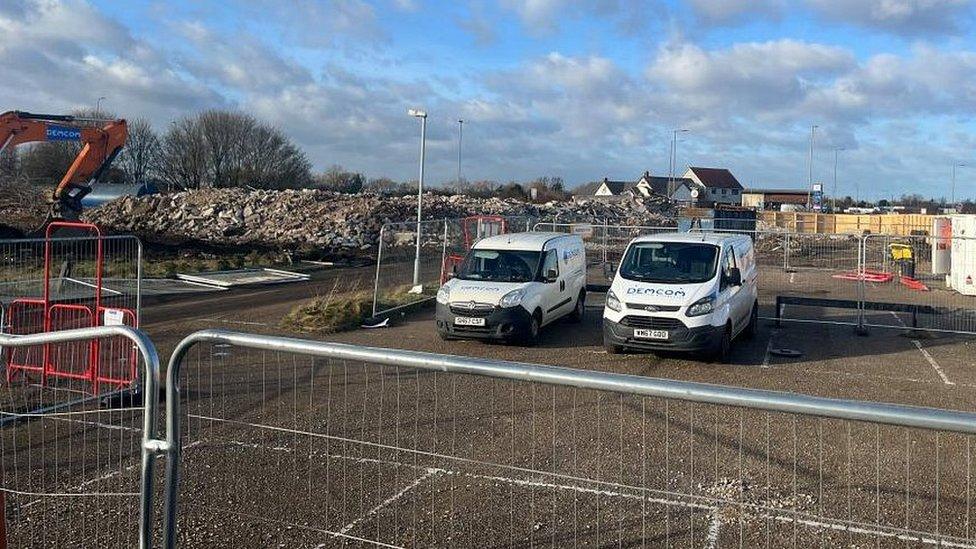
919	281
77	468
407	273
65	282
300	443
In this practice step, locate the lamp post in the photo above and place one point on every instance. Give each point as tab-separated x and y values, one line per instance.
952	190
460	135
834	205
673	160
422	115
813	133
98	106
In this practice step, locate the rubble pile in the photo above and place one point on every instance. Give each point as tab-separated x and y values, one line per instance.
330	222
22	209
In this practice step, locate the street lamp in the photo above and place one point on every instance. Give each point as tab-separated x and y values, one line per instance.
98	106
813	133
460	133
422	115
673	160
953	188
834	206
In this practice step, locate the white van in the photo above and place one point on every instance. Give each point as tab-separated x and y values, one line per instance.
683	292
509	286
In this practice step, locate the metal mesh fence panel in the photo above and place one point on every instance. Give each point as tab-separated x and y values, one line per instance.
65	283
289	449
71	471
406	274
921	282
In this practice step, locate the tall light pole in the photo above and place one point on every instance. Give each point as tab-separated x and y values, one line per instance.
422	115
673	161
953	187
813	133
98	106
834	194
460	135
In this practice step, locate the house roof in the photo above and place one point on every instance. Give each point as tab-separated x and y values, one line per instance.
718	178
617	187
659	185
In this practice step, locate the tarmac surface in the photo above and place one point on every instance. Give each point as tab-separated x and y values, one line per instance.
289	451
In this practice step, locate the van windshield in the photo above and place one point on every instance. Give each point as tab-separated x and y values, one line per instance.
670	262
499	266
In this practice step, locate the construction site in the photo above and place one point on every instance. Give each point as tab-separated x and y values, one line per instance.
216	368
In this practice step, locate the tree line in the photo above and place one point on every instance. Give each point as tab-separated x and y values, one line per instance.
220	148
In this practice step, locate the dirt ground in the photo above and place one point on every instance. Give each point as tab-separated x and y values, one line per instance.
288	451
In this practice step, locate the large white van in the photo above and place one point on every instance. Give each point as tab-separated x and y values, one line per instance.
683	292
509	286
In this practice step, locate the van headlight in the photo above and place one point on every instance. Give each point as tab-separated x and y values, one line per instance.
703	306
512	299
443	296
613	303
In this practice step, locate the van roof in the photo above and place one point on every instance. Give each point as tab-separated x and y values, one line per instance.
529	241
706	237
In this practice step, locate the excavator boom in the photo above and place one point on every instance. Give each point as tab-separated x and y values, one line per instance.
100	146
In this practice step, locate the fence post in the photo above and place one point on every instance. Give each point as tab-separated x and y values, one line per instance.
443	257
379	262
861	329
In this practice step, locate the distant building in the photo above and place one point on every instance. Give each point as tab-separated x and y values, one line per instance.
715	186
774	199
677	189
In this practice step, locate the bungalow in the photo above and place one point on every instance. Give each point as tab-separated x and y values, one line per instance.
775	199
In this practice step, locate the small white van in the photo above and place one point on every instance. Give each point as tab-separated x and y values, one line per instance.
509	286
691	292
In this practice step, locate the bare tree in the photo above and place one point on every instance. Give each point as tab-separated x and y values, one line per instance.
139	160
339	180
229	149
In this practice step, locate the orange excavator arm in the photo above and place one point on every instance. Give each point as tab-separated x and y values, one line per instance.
100	146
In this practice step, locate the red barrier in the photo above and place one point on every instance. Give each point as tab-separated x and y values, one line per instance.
117	358
74	360
25	316
112	362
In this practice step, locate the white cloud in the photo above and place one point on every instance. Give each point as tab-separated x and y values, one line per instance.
909	17
727	11
748	78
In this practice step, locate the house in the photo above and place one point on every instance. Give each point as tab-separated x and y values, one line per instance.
775	199
648	185
715	185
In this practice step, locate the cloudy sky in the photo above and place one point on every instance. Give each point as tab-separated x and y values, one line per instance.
577	88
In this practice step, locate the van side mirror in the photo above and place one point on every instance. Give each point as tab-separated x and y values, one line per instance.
735	277
552	275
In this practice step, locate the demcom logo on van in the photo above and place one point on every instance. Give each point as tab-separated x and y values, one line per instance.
656	291
62	133
571	254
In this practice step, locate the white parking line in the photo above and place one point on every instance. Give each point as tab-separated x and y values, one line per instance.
925	353
416	482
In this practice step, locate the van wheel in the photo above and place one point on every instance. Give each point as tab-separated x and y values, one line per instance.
723	347
577	315
531	336
753	326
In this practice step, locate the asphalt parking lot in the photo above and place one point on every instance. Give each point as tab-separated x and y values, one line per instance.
292	452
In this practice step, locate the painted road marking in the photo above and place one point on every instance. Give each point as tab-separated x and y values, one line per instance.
925	353
785	516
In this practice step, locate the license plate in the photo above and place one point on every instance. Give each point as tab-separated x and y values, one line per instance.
465	321
651	334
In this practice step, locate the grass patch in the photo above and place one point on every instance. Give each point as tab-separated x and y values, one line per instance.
343	310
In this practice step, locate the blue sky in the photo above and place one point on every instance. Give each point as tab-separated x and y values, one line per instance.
579	89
